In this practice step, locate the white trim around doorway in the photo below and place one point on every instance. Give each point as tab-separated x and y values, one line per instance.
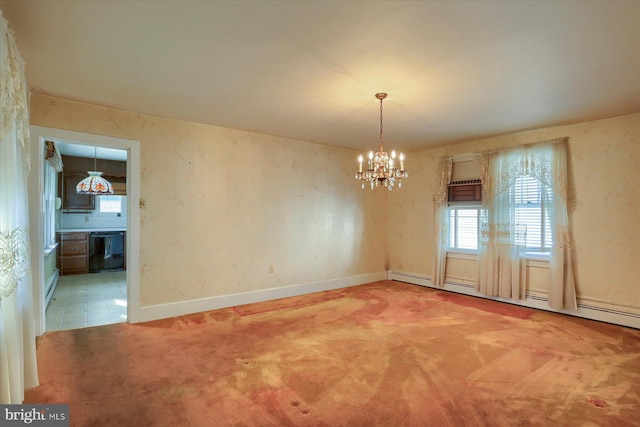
36	223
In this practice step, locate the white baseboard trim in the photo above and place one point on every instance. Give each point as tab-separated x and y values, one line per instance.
163	311
611	313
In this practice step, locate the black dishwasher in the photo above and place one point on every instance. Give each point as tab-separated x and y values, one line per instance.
106	251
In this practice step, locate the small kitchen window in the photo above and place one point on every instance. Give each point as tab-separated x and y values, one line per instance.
109	204
49	205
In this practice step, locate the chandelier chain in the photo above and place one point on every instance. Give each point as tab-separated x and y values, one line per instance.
381	148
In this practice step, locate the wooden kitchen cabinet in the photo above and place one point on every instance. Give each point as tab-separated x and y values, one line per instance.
73	253
71	199
76	168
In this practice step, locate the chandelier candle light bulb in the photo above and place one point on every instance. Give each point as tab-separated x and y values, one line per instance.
380	168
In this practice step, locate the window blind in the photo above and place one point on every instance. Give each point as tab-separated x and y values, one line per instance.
530	209
463	229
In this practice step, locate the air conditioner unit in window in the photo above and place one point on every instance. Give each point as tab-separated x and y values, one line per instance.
465	191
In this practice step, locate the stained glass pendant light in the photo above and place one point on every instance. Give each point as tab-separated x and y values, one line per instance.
381	171
94	184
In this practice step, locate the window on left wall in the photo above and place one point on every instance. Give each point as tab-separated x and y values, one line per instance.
49	204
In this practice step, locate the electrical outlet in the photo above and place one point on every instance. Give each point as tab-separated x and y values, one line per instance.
271	269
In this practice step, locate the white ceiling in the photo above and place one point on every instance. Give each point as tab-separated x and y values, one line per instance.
78	150
454	70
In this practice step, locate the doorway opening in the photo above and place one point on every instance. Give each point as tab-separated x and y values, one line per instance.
91	287
89	276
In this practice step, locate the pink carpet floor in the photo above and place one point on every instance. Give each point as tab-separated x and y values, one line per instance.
382	354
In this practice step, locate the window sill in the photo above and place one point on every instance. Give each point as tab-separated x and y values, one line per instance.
539	257
538	262
462	255
532	260
47	251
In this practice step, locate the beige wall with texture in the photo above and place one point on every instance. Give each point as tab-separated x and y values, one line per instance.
604	167
223	205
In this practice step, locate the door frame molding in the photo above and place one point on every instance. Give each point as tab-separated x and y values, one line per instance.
36	221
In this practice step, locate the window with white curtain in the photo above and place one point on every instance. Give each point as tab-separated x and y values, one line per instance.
522	214
532	209
463	229
529	201
49	205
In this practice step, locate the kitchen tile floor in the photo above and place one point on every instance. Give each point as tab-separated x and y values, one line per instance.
88	300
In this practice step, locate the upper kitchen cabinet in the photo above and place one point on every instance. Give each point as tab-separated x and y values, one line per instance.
75	169
71	199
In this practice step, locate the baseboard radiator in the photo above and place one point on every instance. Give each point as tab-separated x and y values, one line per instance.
612	314
50	287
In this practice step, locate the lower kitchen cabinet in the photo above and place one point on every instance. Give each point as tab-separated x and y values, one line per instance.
73	253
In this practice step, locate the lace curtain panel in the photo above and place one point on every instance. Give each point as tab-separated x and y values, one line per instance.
501	256
17	327
441	223
501	253
14	260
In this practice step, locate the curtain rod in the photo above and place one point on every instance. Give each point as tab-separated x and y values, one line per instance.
497	150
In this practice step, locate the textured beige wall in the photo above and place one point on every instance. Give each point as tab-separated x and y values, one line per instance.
223	205
411	245
604	161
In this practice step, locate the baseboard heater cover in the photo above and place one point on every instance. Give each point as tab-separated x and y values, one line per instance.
586	311
51	287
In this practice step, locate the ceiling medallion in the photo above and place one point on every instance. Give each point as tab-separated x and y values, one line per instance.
381	171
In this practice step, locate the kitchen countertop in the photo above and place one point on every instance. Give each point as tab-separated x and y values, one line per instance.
89	230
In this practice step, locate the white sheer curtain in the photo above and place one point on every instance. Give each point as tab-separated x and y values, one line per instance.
441	223
501	250
562	285
18	369
501	261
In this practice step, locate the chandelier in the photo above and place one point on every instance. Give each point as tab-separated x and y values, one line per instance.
380	167
94	184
